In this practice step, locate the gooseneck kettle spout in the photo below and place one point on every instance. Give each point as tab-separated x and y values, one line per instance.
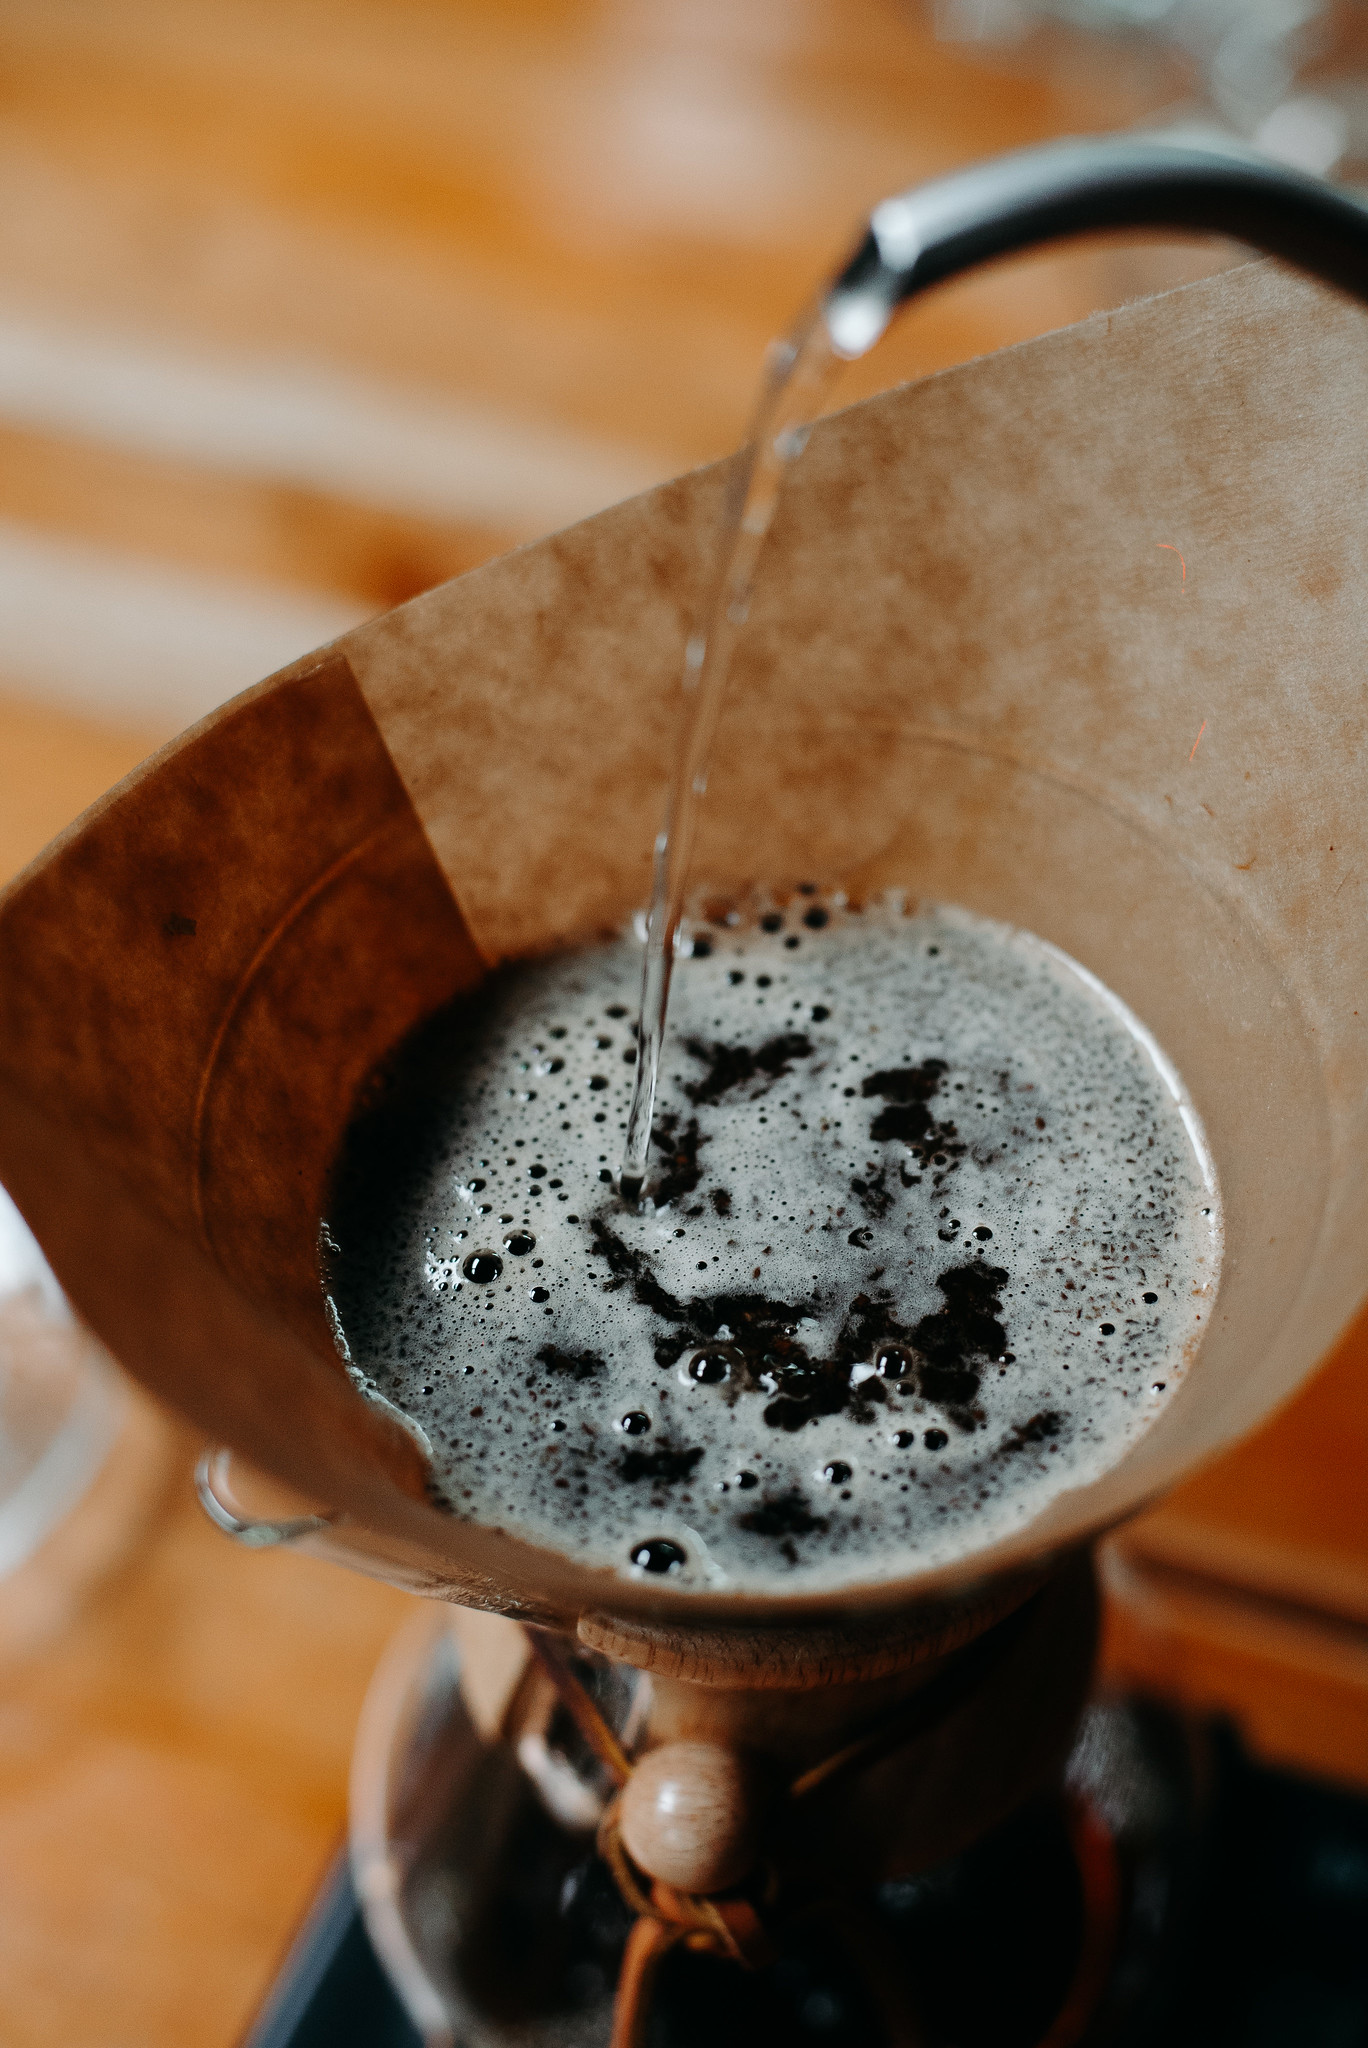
936	231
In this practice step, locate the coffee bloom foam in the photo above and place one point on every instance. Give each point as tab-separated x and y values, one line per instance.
934	1236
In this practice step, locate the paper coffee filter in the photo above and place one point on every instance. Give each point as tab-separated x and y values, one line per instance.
1070	636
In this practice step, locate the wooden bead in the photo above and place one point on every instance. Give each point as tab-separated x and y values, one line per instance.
688	1816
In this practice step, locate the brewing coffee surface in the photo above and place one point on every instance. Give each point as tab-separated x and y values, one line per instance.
934	1236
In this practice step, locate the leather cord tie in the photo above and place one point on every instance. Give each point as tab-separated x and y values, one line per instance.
727	1924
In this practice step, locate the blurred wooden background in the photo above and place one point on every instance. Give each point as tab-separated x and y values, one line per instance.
304	307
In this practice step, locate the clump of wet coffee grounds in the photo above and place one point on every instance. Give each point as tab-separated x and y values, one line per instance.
926	1242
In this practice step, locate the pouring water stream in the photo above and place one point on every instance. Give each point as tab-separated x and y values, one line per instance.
800	375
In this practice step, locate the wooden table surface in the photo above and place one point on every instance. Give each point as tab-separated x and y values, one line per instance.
579	222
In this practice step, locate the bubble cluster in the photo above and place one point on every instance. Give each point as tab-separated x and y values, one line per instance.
927	1243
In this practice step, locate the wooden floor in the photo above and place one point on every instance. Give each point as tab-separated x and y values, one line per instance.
309	306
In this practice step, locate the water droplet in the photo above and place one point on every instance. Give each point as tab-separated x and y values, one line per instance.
558	1426
519	1243
538	1294
482	1266
1158	1386
658	1555
982	1233
636	1423
536	1172
819	1013
1151	1298
891	1362
1107	1329
746	1480
836	1473
616	1010
815	918
712	1366
935	1439
903	1438
598	1082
